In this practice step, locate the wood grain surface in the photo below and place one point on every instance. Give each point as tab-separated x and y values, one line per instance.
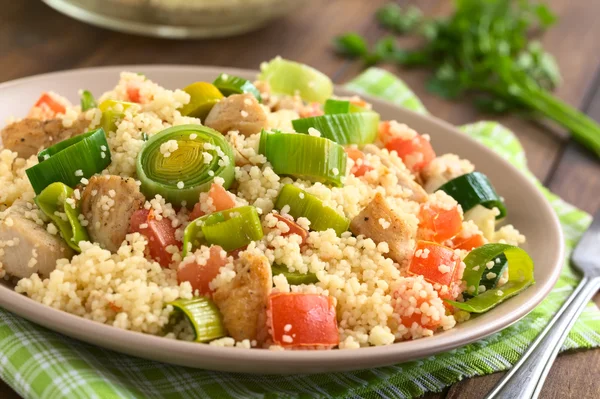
36	39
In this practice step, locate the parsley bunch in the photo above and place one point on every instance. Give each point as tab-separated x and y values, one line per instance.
484	49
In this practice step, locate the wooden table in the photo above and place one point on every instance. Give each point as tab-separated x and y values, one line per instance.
35	39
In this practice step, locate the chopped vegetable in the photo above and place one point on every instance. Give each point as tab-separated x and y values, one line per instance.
288	77
160	235
204	317
438	224
70	161
303	204
173	163
349	128
304	156
203	96
220	198
492	275
200	276
416	152
87	100
112	112
360	167
336	107
58	203
294	278
133	93
467	243
301	320
231	229
46	100
520	276
435	262
474	189
229	84
294	228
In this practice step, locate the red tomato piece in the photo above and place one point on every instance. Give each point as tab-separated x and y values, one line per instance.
467	243
294	227
160	234
435	262
302	320
438	224
133	93
200	276
196	212
220	198
416	152
359	168
47	100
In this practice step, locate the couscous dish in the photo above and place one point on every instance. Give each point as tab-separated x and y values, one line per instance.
266	214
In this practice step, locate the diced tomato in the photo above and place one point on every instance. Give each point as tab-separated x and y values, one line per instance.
221	199
359	168
46	100
416	152
312	109
438	224
467	243
294	228
302	320
200	276
435	262
160	234
133	93
196	212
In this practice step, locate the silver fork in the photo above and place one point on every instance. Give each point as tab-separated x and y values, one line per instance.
526	379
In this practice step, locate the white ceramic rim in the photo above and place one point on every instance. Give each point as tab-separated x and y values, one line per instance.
304	361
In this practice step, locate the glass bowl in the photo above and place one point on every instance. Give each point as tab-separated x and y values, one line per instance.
177	19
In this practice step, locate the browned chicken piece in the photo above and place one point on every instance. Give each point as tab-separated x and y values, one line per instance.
240	112
405	180
381	224
28	136
26	247
243	301
107	203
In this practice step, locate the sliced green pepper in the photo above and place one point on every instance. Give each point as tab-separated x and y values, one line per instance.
520	276
53	202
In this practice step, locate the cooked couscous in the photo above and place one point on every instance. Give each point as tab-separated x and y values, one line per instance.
270	214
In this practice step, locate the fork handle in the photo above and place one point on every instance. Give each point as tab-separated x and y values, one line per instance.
526	379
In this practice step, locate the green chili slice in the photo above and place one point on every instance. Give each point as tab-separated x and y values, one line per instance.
70	160
303	204
87	100
520	276
231	229
65	215
181	175
303	156
294	278
474	189
230	84
203	315
343	128
288	77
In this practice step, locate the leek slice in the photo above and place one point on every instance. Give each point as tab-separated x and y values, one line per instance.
474	189
87	100
231	229
202	154
349	128
336	107
112	112
288	77
520	276
204	317
229	84
294	278
53	202
308	157
303	204
203	96
70	160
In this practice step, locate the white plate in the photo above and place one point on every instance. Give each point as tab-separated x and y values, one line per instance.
528	210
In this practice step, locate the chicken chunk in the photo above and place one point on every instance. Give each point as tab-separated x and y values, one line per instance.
240	112
405	179
28	136
243	301
107	203
26	247
381	224
443	169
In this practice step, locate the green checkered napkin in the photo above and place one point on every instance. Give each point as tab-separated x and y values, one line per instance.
39	363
